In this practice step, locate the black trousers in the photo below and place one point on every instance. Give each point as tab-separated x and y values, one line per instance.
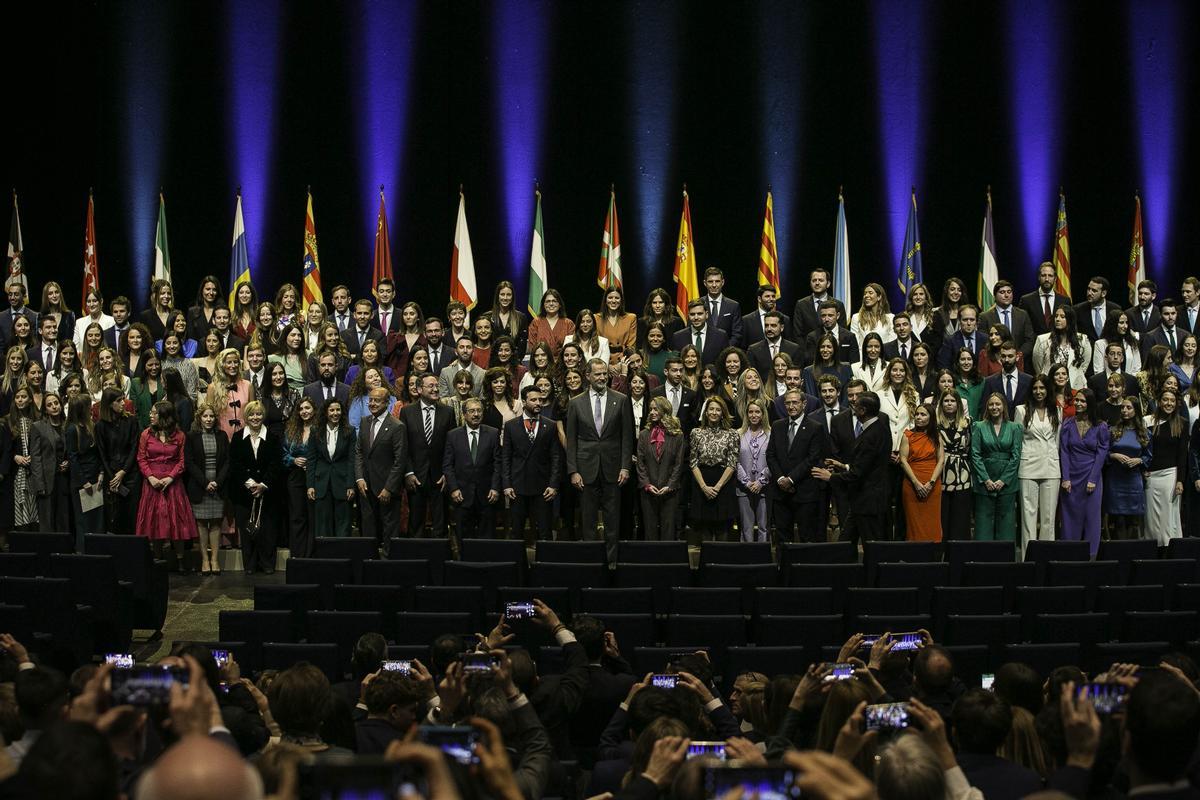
427	497
475	521
380	521
957	507
788	512
597	496
537	511
300	529
861	527
258	551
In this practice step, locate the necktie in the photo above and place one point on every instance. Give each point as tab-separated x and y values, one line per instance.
384	318
1192	318
428	424
49	358
343	321
328	390
828	419
792	431
1010	389
1145	319
715	308
699	342
858	429
1046	309
904	350
256	384
774	350
474	445
1171	338
362	336
970	340
1096	322
1008	319
531	428
598	413
370	433
675	400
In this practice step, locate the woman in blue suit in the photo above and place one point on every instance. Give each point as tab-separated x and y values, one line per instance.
331	470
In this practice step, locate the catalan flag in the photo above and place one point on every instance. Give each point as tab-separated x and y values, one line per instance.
239	260
91	268
610	248
311	285
687	284
768	254
1062	249
1137	252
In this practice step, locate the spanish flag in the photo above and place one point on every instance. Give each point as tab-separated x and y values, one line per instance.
311	285
687	286
768	255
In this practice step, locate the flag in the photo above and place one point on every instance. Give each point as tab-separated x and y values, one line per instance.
462	262
383	250
311	283
538	283
910	258
162	255
16	248
768	254
91	268
1137	253
1062	250
841	255
239	260
687	284
988	272
610	248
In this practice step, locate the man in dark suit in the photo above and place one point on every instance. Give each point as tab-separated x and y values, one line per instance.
328	387
531	466
724	313
902	345
470	466
426	423
966	336
16	308
1010	382
379	467
806	315
609	680
793	379
1003	312
795	448
865	474
753	329
45	351
682	399
1162	721
362	332
847	341
1168	333
386	318
979	717
762	353
1040	304
222	320
600	452
119	308
1189	309
1114	364
1144	316
441	353
1091	314
830	389
841	445
709	339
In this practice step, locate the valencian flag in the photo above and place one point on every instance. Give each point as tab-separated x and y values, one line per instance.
538	281
989	273
841	255
91	267
462	260
162	254
383	250
239	259
610	248
311	284
687	285
910	258
16	248
1062	249
1137	252
768	254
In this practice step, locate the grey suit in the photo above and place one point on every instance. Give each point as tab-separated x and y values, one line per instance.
379	459
446	379
658	511
599	457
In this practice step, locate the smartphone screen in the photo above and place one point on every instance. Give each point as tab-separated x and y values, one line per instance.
457	742
987	680
403	667
839	672
1106	697
887	717
709	749
907	641
364	778
222	657
516	611
764	783
479	662
146	686
664	680
120	660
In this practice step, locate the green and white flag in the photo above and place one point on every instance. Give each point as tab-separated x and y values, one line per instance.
538	283
988	272
162	256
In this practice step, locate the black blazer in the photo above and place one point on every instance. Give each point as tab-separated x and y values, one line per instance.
194	457
687	403
530	467
1135	318
841	436
315	391
383	465
1032	303
231	340
150	319
1021	329
892	349
952	344
1083	318
425	458
1098	383
715	340
7	318
266	467
995	383
198	324
473	478
393	320
1156	336
664	471
760	356
520	341
847	340
797	460
729	319
866	476
118	443
752	329
373	334
440	360
805	319
331	475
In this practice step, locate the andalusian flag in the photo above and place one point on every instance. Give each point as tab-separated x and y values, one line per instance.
538	283
1137	252
687	284
1062	249
610	248
462	261
841	255
988	272
239	259
162	255
768	254
311	284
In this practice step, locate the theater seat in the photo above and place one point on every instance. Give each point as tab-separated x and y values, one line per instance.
323	572
861	600
493	550
402	572
356	548
660	577
1125	552
718	631
838	577
876	553
1008	575
571	552
435	551
704	600
817	553
1034	600
793	600
810	631
254	628
1176	627
735	553
631	630
1145	654
924	576
457	599
487	575
294	598
1184	548
421	628
386	600
960	552
946	600
1117	600
325	657
625	600
343	628
770	661
652	552
1044	657
1167	571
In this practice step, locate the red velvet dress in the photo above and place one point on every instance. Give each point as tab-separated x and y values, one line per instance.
164	514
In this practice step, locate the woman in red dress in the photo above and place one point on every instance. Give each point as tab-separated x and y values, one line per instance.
164	514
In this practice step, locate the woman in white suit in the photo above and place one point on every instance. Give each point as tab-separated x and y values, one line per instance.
871	370
1039	471
873	316
898	399
1064	345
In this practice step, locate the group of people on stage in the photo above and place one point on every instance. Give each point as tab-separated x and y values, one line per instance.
281	422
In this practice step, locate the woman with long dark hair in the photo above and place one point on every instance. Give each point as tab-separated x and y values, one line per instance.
989	357
177	324
945	316
148	389
48	470
175	391
278	397
661	453
1083	449
922	460
1167	471
1117	330
173	358
400	344
551	325
292	356
330	341
660	308
199	317
507	319
871	370
207	459
713	453
954	437
93	312
135	346
19	423
245	311
329	472
154	318
116	434
66	362
1063	344
295	461
1040	472
164	514
616	325
504	355
573	385
1129	455
55	305
87	471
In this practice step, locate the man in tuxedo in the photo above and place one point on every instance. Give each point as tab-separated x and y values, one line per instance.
966	336
1040	305
426	423
328	387
222	320
830	390
470	466
440	354
463	350
724	313
762	353
829	316
794	450
1010	381
16	308
362	332
1189	310
386	318
379	457
793	379
753	324
1168	333
1143	315
531	467
1114	364
1094	312
45	351
709	339
806	314
119	308
681	398
1003	312
600	452
902	345
342	316
865	474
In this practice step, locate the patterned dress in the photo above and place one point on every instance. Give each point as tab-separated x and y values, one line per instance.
24	503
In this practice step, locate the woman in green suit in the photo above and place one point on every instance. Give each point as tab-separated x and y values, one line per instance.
330	470
995	460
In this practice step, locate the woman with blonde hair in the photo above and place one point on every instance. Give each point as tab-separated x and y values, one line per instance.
55	305
660	458
229	392
751	389
873	316
753	474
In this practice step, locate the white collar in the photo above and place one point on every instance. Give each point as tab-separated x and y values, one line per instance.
247	434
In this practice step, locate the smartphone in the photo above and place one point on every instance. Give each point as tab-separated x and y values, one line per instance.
664	680
764	783
479	662
1107	697
517	611
146	686
363	777
222	657
120	660
888	717
838	672
456	741
403	667
986	680
907	641
706	749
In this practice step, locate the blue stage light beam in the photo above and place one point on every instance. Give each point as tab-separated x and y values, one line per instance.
1159	73
1034	44
900	31
781	99
254	59
519	86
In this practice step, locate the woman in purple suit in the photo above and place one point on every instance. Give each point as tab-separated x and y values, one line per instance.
1082	448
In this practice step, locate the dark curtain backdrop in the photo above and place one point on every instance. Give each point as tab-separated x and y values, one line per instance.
727	97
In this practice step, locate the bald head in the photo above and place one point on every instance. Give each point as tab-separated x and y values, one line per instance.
200	768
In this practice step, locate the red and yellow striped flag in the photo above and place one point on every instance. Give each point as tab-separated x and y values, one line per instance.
768	254
687	283
1062	250
311	284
